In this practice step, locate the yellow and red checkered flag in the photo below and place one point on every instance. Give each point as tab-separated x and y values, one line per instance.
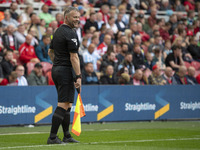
78	114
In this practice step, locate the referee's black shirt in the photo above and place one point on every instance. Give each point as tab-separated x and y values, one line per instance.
65	40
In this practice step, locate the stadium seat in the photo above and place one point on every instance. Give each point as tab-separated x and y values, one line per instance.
30	67
196	65
187	64
49	78
46	67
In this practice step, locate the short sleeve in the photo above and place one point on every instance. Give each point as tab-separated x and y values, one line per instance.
51	44
72	43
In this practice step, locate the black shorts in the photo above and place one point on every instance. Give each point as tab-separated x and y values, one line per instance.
63	79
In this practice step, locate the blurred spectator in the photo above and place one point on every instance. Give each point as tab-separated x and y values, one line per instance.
13	8
121	25
190	17
122	10
164	31
105	12
40	31
175	59
11	80
167	49
111	24
76	3
83	46
159	58
148	61
157	44
181	77
20	34
109	77
88	75
138	77
91	22
8	63
134	30
99	20
59	19
127	62
165	5
21	79
152	18
174	22
9	39
178	6
124	49
34	41
138	57
42	49
109	61
143	34
102	48
36	77
128	34
26	15
194	49
156	78
46	15
191	75
124	79
189	5
8	20
92	56
168	76
27	51
54	25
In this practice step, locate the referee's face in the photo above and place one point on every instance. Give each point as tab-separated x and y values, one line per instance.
73	19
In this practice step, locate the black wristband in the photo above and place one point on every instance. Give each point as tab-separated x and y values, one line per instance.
78	76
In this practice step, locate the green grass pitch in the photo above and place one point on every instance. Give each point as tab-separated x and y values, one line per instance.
172	135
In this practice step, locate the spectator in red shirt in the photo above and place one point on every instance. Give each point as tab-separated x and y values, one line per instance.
189	5
27	51
11	80
102	48
152	18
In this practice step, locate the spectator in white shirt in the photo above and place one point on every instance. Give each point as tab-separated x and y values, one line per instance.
21	79
92	56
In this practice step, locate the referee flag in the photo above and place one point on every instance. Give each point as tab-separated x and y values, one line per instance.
78	114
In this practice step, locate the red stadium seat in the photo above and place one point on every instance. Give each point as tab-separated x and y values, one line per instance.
46	67
187	64
49	78
30	67
196	65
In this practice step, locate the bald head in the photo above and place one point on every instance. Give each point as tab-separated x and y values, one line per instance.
168	72
182	71
191	71
29	39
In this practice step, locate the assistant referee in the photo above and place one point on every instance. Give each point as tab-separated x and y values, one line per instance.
64	55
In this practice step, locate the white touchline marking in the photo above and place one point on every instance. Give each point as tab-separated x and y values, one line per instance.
130	141
23	133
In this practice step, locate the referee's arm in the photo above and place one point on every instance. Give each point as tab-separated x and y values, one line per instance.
51	54
76	66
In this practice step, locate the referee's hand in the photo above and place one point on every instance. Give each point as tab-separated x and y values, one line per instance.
77	84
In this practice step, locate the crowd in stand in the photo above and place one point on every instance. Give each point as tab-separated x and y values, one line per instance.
121	41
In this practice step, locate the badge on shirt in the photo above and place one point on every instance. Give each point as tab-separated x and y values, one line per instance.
75	41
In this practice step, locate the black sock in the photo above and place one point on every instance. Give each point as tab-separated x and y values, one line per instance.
66	123
57	119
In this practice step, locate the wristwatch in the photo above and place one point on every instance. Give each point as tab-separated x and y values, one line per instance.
78	76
